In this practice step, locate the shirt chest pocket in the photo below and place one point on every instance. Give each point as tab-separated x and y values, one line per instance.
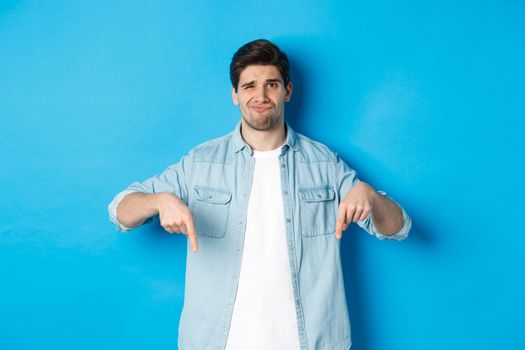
317	210
210	209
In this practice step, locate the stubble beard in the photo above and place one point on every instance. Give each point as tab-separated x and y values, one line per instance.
262	123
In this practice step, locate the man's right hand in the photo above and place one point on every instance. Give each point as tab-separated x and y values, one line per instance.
176	217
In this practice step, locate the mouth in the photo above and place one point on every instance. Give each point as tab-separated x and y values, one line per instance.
260	109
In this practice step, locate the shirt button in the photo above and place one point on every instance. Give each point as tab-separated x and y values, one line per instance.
288	220
291	246
285	193
283	166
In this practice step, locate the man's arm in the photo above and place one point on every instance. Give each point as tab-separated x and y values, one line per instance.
362	200
372	210
386	215
136	207
174	215
165	194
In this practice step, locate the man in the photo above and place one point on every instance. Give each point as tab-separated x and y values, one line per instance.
265	207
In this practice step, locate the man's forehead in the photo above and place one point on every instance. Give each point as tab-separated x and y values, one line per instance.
260	72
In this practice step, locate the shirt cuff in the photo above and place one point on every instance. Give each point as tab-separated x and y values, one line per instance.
401	234
112	209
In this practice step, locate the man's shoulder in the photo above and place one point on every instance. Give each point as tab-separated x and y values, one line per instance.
314	151
214	150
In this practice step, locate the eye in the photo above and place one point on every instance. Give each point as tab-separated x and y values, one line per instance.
248	87
273	84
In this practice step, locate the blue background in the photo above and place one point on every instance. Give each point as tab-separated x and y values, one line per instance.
425	101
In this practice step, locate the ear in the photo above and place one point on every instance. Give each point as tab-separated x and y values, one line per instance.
289	89
234	97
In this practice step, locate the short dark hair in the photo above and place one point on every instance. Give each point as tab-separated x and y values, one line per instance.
262	52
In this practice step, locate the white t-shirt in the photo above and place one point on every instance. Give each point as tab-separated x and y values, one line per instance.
264	314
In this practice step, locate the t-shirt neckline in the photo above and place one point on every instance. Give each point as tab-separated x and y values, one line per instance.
268	154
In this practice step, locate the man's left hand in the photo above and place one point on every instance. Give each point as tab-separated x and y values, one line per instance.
355	206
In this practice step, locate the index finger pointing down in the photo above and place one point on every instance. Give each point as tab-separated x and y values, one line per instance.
192	235
340	222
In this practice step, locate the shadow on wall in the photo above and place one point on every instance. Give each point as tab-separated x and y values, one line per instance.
354	274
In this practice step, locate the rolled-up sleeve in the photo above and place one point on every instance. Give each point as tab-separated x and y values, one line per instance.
347	178
174	180
368	224
112	209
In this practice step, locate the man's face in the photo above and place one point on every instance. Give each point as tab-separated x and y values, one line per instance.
261	96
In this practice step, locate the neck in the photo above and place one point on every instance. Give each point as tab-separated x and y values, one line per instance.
263	140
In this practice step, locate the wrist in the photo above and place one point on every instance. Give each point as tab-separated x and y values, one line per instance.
158	200
376	197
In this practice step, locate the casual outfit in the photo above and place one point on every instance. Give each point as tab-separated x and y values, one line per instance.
268	272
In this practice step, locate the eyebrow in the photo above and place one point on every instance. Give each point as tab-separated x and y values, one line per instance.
248	83
272	80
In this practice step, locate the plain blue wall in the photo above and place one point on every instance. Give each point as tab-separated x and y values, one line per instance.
425	101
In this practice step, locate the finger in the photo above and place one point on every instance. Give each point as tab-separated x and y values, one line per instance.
176	228
350	213
357	214
365	214
168	228
192	235
346	223
340	222
183	229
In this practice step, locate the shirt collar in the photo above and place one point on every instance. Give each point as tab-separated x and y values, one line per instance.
239	143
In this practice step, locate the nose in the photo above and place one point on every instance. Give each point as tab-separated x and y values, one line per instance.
260	94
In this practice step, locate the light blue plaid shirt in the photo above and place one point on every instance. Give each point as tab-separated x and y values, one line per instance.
214	180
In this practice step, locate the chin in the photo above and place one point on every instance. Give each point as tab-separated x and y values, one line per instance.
262	123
